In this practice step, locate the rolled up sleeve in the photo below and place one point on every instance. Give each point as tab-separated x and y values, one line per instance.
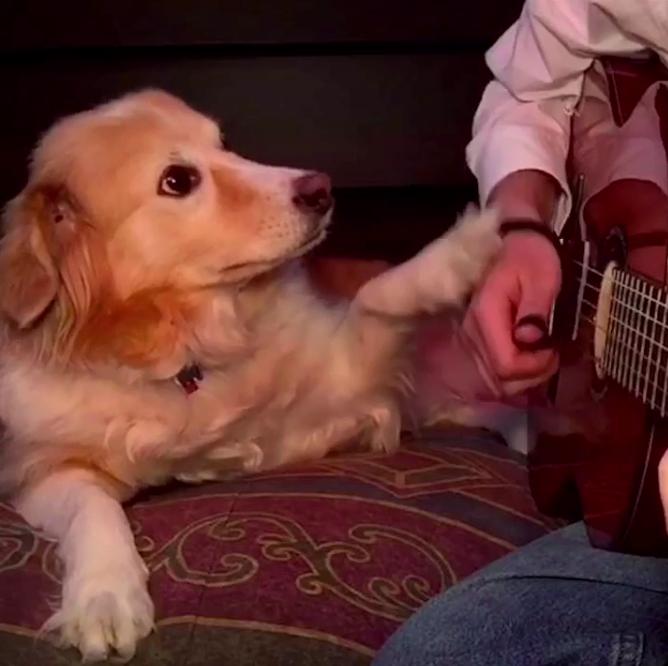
523	120
512	136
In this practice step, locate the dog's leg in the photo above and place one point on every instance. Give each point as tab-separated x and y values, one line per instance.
442	275
376	425
105	602
385	309
366	352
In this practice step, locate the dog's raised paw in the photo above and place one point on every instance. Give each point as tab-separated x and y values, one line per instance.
454	265
476	234
103	614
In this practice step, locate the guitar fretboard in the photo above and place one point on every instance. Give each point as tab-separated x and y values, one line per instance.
636	351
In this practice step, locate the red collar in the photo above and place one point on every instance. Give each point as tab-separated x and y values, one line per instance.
188	378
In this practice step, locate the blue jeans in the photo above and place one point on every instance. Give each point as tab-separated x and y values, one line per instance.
557	601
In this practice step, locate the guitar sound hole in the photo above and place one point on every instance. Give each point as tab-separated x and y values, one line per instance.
614	249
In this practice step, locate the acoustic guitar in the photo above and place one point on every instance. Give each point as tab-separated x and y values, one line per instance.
601	426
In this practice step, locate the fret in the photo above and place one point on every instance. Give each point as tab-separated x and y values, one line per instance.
616	315
635	332
661	357
641	317
641	337
636	341
656	356
633	336
619	328
627	305
619	367
616	370
657	346
650	331
612	330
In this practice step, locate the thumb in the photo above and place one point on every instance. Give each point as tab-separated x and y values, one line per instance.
531	328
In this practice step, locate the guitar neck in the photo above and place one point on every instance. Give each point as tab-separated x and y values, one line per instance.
631	333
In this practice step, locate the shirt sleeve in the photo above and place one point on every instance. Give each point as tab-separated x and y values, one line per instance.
523	120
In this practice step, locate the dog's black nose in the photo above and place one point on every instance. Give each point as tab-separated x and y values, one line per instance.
313	193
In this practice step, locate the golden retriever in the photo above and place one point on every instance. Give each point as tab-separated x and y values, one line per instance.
156	324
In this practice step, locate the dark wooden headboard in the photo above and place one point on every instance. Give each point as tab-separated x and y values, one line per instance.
378	93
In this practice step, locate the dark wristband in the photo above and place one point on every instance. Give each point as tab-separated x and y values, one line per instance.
527	224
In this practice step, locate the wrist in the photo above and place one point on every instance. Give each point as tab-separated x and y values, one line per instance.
526	194
514	226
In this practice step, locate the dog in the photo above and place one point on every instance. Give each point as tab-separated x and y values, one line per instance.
156	324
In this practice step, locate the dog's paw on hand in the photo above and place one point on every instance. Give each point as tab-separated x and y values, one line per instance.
104	614
456	263
476	236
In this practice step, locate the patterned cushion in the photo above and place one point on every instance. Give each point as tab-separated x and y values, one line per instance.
317	565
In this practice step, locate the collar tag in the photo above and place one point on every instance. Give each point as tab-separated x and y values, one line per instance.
188	378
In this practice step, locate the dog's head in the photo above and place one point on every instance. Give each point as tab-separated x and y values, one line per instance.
142	188
141	195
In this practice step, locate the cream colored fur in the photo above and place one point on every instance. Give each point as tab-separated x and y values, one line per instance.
109	289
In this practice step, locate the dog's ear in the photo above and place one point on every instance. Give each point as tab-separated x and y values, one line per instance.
36	223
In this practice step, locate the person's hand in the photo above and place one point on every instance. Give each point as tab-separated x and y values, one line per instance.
663	484
522	286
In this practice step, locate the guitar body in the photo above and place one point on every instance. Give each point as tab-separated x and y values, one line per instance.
597	441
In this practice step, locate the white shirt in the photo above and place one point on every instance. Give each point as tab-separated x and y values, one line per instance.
539	63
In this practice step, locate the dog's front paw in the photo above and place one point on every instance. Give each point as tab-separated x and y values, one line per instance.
104	612
226	461
456	263
383	435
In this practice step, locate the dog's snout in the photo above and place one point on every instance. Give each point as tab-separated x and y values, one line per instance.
313	193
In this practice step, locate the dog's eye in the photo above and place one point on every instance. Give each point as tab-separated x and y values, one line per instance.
178	180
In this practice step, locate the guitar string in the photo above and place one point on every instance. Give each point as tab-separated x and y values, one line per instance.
652	360
628	309
626	359
627	288
657	325
630	370
658	392
588	356
628	326
633	370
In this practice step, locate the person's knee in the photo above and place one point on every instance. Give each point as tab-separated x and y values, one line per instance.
495	620
467	626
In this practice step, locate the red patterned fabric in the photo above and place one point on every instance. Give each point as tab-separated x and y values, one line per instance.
317	565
